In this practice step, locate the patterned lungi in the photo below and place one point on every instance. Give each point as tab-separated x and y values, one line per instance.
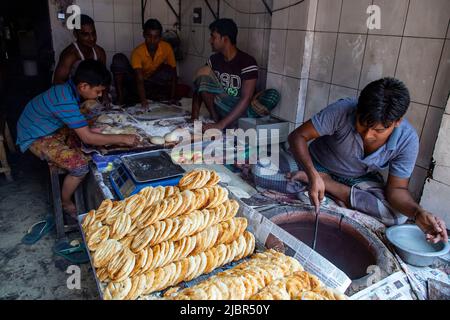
62	149
261	105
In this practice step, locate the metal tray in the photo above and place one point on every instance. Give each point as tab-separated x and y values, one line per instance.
259	247
151	166
91	261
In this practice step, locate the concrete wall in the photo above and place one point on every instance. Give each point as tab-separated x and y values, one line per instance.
342	55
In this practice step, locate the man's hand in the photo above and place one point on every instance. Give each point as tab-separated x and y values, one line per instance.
316	190
130	140
207	126
433	227
144	104
316	186
98	129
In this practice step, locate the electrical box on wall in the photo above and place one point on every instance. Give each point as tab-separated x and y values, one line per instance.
197	16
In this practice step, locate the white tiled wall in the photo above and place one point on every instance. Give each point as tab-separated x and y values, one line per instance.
412	45
417	66
118	23
253	34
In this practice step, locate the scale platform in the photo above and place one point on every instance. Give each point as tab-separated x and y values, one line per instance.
147	169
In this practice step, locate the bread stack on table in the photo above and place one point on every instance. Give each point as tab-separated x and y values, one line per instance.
270	275
165	235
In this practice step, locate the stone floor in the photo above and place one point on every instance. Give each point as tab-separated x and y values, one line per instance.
33	272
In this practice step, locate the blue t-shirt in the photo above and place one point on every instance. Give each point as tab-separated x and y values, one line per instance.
55	108
340	148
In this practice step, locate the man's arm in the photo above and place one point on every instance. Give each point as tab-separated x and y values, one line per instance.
174	84
139	74
196	105
248	89
298	142
171	61
399	197
62	71
88	136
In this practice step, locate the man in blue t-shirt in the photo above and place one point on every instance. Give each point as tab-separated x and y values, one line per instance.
354	139
38	128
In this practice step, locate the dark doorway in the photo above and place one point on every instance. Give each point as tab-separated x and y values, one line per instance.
26	55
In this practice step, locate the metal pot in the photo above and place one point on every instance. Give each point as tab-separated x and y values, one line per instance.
411	245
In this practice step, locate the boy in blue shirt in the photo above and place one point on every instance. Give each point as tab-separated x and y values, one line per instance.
38	128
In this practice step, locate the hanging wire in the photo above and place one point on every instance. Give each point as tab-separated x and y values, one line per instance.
264	12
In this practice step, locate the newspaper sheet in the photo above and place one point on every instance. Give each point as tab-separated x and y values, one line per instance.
271	235
419	276
394	287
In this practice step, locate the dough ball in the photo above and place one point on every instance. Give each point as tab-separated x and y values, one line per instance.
171	137
157	140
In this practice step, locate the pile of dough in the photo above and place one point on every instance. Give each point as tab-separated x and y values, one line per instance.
110	118
119	130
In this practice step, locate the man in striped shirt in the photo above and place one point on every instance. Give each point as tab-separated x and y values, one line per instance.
38	128
227	84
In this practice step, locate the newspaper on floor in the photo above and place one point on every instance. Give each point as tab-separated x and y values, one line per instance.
272	236
419	276
394	287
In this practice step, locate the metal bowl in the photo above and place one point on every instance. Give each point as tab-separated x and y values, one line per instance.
411	245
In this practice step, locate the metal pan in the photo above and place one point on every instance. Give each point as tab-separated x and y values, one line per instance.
151	166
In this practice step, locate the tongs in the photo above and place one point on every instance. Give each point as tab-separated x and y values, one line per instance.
316	227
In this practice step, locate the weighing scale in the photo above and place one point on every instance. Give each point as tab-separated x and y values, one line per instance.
134	172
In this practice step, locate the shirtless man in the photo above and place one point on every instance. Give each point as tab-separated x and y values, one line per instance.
85	47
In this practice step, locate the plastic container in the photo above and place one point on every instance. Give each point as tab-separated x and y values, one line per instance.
411	245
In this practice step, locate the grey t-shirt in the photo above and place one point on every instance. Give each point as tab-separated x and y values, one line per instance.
340	148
